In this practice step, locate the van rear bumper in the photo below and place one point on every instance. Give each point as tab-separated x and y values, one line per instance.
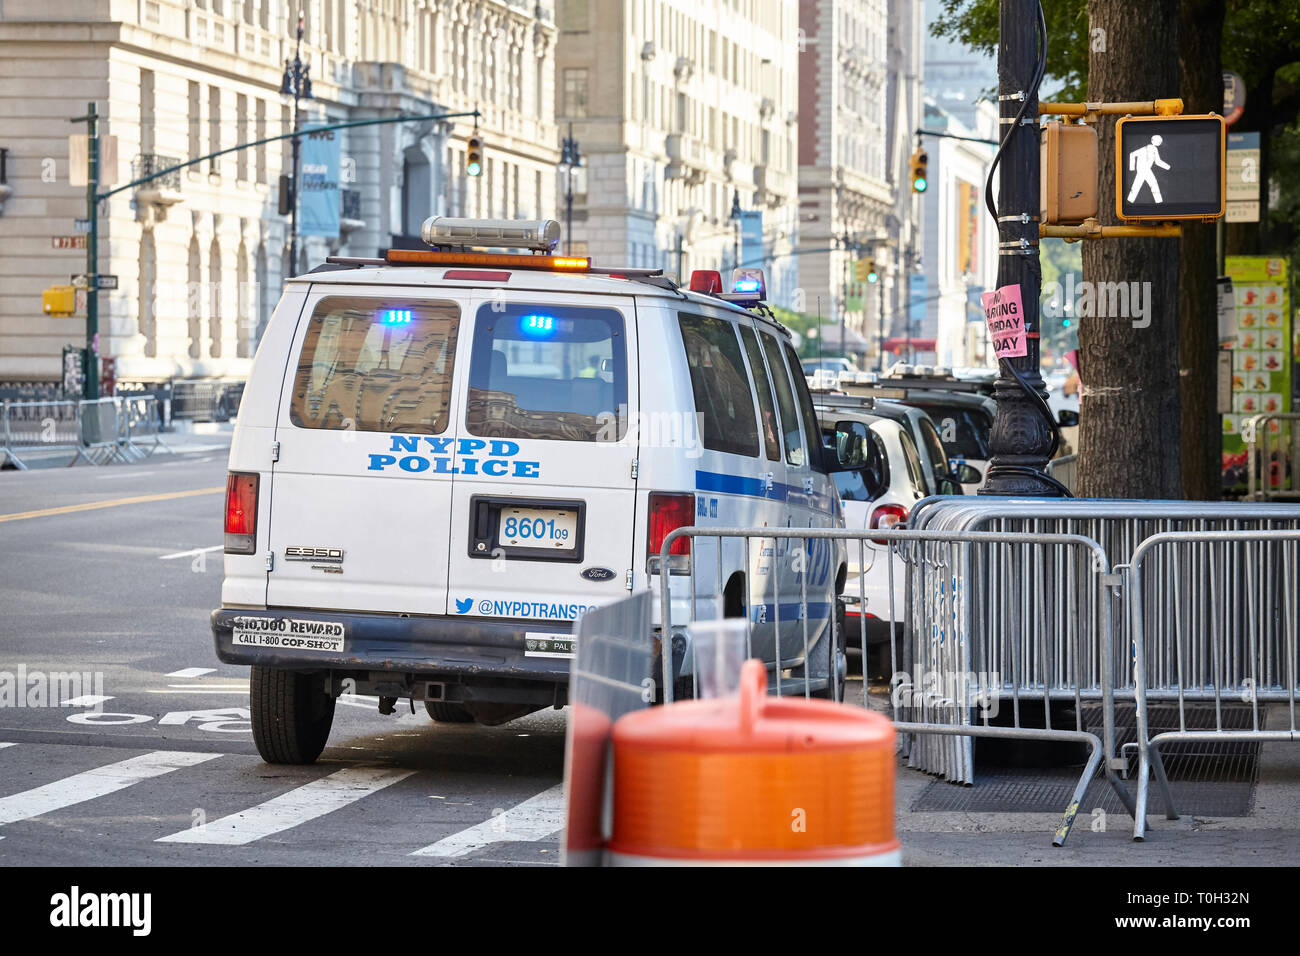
461	646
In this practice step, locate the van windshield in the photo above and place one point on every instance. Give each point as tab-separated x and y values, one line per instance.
554	372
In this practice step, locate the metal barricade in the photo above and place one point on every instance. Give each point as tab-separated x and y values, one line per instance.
39	426
1065	470
960	633
1231	597
101	435
140	426
206	400
1272	448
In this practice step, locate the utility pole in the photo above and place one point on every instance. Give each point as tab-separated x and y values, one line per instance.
1022	433
90	390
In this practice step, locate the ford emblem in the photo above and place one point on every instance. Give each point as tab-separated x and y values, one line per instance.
597	574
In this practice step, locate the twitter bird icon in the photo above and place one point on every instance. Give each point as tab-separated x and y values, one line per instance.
463	606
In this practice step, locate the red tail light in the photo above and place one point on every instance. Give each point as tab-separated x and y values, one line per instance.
241	513
885	517
667	514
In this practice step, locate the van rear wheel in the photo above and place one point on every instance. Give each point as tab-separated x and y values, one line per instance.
292	714
446	712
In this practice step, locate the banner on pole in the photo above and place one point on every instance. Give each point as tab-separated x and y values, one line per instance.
318	213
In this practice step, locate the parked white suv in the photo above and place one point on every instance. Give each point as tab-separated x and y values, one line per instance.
444	457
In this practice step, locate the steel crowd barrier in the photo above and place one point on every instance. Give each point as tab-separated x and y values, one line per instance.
948	680
1272	447
1225	643
39	425
1065	470
1119	527
99	431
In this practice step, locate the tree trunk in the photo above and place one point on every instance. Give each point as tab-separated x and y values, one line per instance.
1129	415
1200	35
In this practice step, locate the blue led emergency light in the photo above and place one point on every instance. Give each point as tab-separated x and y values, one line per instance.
397	317
538	325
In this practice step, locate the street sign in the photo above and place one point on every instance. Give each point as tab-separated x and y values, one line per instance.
1243	177
1169	167
105	282
81	225
68	242
1234	97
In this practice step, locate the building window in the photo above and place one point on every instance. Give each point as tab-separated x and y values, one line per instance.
259	132
214	128
575	93
196	145
241	131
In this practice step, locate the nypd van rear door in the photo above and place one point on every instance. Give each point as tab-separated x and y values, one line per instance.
366	435
543	504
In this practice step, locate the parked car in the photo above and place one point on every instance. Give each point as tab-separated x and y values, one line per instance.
442	459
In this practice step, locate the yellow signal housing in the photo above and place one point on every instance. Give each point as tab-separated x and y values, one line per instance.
59	300
474	156
1068	185
920	180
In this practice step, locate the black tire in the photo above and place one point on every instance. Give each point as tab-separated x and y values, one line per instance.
292	715
446	712
836	669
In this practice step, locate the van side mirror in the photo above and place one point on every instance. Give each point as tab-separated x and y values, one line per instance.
1067	418
851	445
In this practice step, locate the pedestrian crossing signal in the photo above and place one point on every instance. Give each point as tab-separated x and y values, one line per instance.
474	156
918	162
1170	167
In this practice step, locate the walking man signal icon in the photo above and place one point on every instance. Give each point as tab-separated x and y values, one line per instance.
1144	160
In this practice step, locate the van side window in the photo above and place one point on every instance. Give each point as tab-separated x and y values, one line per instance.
551	372
794	448
721	385
376	365
805	409
763	386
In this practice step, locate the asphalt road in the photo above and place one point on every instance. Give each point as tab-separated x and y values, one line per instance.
163	769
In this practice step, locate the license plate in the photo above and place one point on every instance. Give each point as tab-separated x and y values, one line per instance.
547	528
548	645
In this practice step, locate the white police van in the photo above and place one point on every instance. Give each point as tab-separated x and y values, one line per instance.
443	457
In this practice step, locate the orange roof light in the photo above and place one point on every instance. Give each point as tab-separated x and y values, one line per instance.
422	257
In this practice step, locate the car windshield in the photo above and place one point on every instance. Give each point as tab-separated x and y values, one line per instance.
964	431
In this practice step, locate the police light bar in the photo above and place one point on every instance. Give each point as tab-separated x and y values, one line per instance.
823	380
708	281
541	235
421	257
747	285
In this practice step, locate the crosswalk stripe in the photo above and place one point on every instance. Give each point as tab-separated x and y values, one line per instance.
535	819
98	782
192	672
3	745
292	809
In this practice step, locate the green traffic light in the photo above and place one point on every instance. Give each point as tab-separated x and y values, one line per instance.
872	277
919	184
473	169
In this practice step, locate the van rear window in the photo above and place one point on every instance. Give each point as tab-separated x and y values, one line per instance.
376	365
553	372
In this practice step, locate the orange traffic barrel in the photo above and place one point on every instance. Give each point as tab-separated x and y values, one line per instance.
754	779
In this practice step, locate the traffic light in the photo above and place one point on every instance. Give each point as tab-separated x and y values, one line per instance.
919	181
59	300
1068	186
864	270
474	156
1170	167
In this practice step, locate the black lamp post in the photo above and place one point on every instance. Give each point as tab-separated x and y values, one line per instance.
570	159
296	83
735	236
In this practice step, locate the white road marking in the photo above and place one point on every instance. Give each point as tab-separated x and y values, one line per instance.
241	691
127	474
3	745
535	819
292	809
99	782
243	686
192	672
194	552
85	700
